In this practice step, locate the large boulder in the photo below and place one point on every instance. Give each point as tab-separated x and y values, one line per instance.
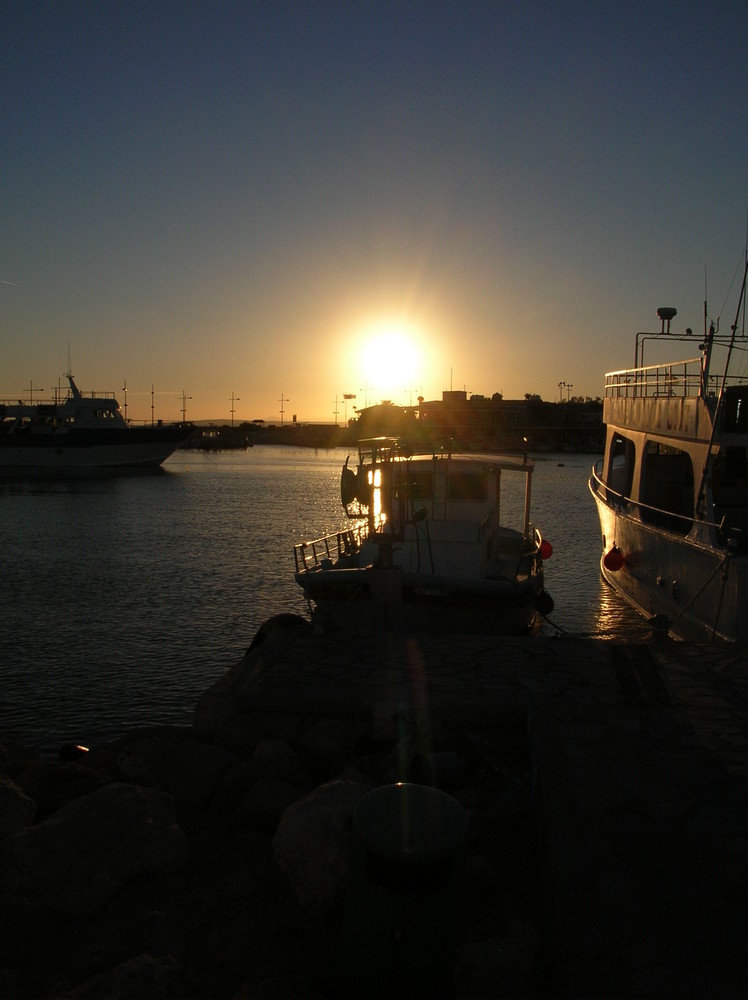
175	763
51	784
77	858
144	977
17	810
231	695
312	844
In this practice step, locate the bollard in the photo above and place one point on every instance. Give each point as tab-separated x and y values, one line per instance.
403	899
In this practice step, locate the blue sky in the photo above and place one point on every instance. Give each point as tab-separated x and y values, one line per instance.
221	197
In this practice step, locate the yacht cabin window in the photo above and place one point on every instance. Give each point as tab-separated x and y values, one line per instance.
666	491
621	465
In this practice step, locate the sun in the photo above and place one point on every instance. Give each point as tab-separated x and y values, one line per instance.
389	361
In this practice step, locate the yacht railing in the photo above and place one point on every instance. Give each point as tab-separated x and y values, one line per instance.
329	548
654	516
681	378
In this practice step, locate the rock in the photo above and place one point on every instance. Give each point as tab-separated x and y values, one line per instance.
17	810
501	966
312	843
328	744
283	621
143	977
265	802
231	694
15	757
78	857
51	784
277	759
186	768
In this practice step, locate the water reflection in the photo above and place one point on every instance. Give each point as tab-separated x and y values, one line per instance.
127	597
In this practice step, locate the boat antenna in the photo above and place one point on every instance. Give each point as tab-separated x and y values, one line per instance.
720	394
705	297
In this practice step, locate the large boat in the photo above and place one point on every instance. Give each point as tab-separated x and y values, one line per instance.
672	487
78	432
429	546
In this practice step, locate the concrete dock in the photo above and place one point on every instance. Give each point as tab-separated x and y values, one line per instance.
640	758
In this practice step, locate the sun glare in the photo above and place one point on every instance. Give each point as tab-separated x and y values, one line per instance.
389	362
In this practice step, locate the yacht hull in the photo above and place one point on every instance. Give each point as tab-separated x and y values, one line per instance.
700	592
142	447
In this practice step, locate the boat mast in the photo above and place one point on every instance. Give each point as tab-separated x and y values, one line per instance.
720	395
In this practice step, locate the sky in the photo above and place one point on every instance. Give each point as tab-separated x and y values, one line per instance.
283	203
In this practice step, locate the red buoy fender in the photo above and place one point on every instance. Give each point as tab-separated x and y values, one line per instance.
613	559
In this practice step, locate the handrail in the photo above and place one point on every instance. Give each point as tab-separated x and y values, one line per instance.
337	544
685	379
58	399
620	499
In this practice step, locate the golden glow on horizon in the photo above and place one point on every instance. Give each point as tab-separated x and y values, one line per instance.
389	364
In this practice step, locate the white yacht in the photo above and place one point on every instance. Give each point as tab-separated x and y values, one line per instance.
80	432
672	487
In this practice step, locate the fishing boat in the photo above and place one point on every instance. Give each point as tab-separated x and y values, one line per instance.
672	488
429	545
78	432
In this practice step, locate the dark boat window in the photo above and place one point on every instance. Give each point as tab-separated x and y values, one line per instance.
667	488
466	486
414	485
730	491
621	470
735	409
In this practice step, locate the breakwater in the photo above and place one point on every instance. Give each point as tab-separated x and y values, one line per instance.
604	786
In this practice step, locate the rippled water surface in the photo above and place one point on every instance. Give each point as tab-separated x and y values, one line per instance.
125	597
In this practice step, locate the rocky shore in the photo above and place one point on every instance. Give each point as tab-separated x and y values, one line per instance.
214	860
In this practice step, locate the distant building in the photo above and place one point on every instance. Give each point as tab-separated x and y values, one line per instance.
462	421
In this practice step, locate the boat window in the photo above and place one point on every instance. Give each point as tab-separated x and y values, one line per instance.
667	487
621	469
414	485
730	491
735	409
467	486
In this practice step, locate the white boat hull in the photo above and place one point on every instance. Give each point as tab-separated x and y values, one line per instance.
370	597
131	448
702	591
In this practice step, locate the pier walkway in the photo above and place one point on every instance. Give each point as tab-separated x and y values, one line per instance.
640	754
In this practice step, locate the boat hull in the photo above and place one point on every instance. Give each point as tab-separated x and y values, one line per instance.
89	450
701	591
368	597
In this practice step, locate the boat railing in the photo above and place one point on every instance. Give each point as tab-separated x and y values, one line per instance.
329	549
59	397
683	379
681	524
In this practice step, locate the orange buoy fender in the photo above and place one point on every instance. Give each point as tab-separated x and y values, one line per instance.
613	559
546	549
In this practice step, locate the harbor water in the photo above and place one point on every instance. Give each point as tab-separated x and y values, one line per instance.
125	597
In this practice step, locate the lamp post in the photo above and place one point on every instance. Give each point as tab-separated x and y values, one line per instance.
283	399
185	397
234	399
